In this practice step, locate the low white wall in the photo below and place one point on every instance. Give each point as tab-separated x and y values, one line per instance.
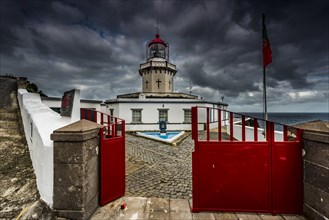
39	122
56	103
155	127
237	133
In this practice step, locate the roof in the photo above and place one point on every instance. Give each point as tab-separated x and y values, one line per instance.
157	95
177	101
157	40
140	97
60	99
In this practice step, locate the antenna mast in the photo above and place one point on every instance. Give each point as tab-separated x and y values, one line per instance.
157	27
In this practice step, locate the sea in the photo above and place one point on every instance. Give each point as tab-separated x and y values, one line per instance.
289	118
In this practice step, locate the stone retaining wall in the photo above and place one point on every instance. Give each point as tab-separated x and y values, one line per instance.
316	175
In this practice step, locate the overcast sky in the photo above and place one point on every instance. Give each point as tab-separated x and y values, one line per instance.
97	46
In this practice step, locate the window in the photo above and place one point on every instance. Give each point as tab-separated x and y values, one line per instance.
187	116
31	131
136	115
163	115
111	113
55	109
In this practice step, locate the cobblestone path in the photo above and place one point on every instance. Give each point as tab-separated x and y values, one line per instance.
154	169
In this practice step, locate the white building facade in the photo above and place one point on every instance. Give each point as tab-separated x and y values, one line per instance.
145	115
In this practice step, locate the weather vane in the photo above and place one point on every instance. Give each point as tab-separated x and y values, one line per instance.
157	27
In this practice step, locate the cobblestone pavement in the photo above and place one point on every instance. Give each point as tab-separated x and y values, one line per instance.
154	169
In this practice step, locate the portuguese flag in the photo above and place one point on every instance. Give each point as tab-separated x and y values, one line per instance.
267	52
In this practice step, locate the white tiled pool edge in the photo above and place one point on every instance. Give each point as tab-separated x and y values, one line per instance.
171	140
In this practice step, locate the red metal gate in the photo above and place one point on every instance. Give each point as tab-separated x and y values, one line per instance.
112	155
253	170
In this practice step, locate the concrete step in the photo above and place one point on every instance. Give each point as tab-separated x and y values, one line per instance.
16	165
4	110
10	133
9	125
8	116
13	144
14	138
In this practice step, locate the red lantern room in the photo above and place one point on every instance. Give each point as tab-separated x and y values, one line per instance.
157	48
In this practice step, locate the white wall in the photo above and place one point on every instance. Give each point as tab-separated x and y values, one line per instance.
155	127
150	114
96	106
39	122
52	103
56	103
237	133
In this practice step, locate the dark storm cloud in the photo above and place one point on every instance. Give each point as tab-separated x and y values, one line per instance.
97	46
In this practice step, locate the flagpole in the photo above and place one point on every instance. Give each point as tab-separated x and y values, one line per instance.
264	75
264	95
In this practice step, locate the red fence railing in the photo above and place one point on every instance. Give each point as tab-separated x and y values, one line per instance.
239	127
112	154
113	126
238	166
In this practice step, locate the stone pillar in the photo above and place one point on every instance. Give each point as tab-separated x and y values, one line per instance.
316	174
76	170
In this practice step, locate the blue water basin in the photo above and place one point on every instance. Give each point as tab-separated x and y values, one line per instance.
169	137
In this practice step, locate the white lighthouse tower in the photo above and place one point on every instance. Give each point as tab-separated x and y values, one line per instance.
157	73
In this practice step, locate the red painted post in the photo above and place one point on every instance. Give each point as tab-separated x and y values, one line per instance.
270	133
116	127
195	159
83	112
108	125
89	114
195	123
243	128
267	130
95	117
123	130
255	129
219	125
207	127
102	118
112	128
101	134
285	133
231	126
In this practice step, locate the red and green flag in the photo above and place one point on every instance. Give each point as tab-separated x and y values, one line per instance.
267	52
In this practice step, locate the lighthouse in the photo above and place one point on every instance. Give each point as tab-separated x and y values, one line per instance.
158	102
157	73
